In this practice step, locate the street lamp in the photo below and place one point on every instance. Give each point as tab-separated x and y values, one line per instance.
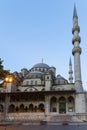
8	80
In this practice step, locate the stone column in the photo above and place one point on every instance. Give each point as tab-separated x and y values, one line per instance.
6	105
47	105
57	107
66	107
80	103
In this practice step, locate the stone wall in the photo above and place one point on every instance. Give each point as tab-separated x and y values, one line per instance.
80	103
37	117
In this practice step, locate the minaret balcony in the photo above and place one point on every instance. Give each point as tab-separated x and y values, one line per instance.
76	50
75	28
70	72
70	78
76	39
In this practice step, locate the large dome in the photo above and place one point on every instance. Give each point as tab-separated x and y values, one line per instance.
41	65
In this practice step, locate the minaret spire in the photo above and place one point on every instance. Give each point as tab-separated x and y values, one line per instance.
76	52
70	71
75	12
70	62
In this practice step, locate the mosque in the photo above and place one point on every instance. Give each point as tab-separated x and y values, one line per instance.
38	94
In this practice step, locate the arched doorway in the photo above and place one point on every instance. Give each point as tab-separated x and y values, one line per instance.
62	105
53	104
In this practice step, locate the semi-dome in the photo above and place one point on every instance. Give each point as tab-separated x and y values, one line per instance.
41	65
35	74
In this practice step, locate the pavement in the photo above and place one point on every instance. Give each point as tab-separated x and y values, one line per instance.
41	123
44	127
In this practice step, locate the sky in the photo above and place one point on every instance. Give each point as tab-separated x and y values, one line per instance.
32	30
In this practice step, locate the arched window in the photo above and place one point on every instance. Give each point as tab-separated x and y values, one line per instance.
13	98
53	104
70	99
11	108
53	99
2	98
27	82
31	107
1	108
35	82
17	109
41	107
31	82
22	107
26	108
62	105
35	109
71	104
35	69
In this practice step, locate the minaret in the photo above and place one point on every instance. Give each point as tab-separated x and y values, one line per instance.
76	51
70	71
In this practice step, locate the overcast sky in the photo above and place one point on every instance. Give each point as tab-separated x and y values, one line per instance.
34	29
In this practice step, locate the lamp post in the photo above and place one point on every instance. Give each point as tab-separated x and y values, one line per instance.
8	80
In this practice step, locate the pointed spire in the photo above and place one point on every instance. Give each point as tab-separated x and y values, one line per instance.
75	12
42	60
70	62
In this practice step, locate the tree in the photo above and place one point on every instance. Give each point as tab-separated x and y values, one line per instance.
3	72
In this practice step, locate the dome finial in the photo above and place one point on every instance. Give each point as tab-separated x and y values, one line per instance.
42	60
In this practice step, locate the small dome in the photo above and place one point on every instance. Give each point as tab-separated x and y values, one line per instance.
60	80
59	77
41	65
